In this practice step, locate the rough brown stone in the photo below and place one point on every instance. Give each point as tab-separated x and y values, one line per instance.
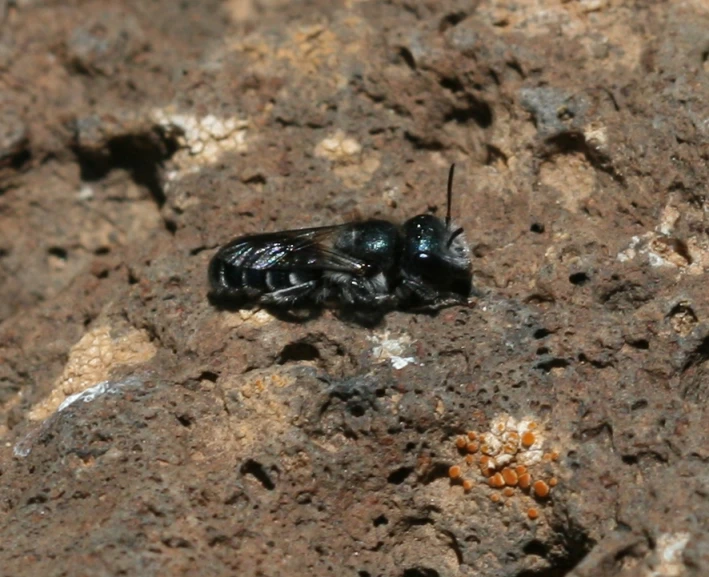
146	432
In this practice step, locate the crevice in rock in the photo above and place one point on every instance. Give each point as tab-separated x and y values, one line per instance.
574	545
494	154
436	471
475	110
141	154
407	57
399	475
555	363
258	472
451	20
575	142
18	160
454	545
298	351
698	356
421	143
579	278
420	572
542	333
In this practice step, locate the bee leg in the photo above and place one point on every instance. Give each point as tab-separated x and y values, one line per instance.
229	298
449	300
291	295
426	298
413	287
368	293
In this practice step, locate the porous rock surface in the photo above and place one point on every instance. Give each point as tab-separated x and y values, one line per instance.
145	432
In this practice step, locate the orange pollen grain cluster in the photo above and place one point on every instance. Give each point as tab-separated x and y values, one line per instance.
507	455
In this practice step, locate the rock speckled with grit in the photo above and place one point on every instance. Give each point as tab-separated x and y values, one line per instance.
145	432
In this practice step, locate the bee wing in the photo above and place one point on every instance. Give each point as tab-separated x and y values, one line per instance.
304	249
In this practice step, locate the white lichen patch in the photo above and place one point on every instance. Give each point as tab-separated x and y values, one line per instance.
669	553
596	135
90	363
353	166
669	245
505	441
203	140
253	317
669	218
85	193
24	447
662	250
87	395
641	245
338	148
394	350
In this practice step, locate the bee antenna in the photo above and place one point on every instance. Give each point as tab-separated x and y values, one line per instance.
450	195
455	235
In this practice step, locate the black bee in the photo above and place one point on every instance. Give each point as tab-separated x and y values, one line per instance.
373	265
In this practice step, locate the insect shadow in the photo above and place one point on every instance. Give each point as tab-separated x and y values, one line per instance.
291	315
306	313
363	269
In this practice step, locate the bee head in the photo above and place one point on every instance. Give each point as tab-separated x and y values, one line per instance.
437	252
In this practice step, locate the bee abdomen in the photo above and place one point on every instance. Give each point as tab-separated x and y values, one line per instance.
225	277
